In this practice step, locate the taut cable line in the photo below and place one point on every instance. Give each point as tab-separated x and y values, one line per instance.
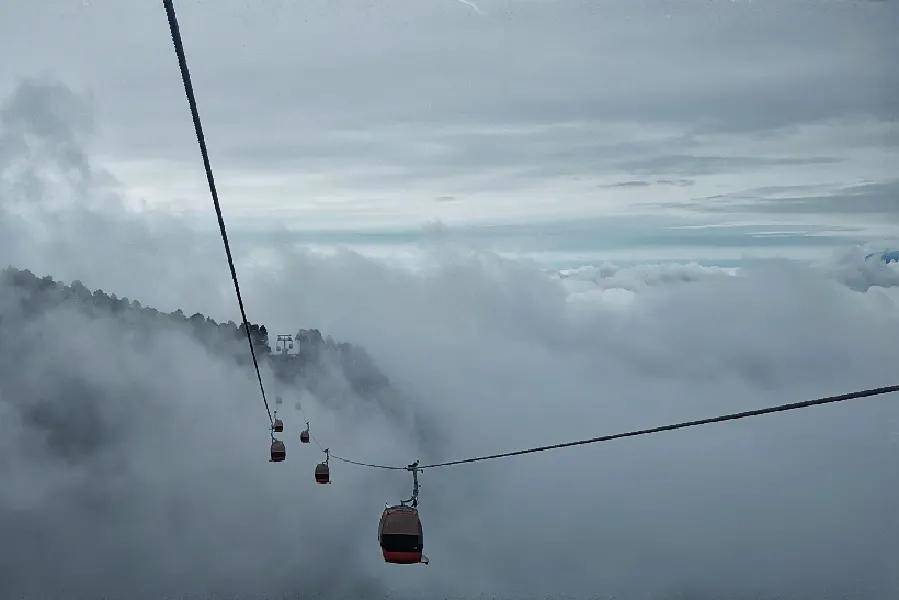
201	139
639	432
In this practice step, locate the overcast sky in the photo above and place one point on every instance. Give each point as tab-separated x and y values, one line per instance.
778	118
477	143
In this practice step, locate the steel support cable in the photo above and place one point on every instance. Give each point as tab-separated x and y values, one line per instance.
201	139
607	438
370	465
342	459
707	421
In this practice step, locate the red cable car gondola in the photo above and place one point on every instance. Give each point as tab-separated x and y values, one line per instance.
279	452
400	535
304	435
322	471
277	424
399	531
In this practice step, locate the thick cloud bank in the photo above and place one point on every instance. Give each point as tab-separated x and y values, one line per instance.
134	463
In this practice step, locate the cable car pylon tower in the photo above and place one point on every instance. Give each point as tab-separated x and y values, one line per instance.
284	343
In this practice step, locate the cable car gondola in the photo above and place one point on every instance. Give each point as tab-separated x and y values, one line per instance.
304	435
400	535
277	424
399	530
279	452
322	471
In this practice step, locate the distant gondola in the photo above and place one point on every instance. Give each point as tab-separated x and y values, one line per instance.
279	452
322	473
304	435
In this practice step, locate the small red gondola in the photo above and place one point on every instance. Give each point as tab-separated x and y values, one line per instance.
322	473
279	452
400	535
304	435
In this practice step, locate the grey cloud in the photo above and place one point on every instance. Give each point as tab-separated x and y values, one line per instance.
61	213
879	198
134	457
687	330
676	182
648	182
852	267
684	164
50	110
484	342
75	426
314	86
629	184
640	277
43	122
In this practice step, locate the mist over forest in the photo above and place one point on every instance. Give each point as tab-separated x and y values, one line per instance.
78	422
135	445
329	369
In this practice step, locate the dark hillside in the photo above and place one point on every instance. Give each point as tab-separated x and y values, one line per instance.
331	370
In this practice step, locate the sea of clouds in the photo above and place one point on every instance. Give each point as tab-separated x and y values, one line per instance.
137	467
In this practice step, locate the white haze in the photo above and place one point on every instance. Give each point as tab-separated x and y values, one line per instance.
174	496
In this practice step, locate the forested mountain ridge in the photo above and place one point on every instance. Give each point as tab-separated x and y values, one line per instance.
320	364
